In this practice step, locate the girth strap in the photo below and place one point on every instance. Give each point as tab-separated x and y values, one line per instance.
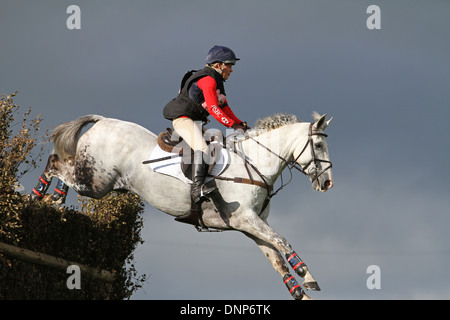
246	181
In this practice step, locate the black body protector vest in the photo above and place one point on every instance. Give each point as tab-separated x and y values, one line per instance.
184	105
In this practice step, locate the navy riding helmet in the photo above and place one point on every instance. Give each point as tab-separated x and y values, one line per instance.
221	54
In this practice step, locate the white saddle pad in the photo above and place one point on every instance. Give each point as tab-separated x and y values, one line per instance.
172	167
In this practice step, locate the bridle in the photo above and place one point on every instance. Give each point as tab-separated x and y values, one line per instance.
314	160
290	164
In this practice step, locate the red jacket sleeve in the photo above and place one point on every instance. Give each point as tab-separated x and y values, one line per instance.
230	113
209	87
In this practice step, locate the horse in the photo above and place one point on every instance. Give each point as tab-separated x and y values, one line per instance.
109	156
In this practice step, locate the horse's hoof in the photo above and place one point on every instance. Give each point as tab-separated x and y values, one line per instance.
299	294
311	285
306	297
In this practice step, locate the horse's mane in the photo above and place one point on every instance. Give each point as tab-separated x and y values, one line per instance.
275	121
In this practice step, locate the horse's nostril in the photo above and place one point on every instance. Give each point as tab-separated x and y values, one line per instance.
328	184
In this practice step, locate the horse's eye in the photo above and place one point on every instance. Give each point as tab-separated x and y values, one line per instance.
318	145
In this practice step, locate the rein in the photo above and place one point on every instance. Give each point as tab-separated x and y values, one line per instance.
290	165
250	180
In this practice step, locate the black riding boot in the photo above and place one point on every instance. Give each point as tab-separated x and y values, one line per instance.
199	191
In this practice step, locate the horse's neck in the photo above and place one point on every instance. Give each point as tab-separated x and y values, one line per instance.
281	142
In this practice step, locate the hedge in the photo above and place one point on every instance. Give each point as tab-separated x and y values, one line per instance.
96	234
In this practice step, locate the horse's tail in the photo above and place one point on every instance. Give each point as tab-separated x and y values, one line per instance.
65	136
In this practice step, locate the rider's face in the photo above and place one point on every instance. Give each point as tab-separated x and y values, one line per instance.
227	69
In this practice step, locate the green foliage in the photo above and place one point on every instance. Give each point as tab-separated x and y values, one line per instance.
101	233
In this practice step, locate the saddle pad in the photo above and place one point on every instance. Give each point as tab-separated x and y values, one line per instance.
172	167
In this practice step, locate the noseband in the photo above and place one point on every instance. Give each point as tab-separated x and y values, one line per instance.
314	160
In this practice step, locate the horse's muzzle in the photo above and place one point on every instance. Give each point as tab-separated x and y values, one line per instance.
322	186
328	184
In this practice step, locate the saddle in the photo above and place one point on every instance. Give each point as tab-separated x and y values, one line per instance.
170	142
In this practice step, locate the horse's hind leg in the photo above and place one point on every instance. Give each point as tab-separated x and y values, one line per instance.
277	261
41	188
60	192
45	179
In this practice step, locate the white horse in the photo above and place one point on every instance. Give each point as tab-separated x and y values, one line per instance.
109	157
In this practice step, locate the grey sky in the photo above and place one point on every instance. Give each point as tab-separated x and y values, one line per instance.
388	91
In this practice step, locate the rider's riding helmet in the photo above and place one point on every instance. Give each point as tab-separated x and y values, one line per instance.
221	54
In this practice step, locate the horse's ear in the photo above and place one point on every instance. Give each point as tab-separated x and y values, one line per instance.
326	124
319	122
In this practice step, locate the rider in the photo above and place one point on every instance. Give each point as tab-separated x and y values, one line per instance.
202	94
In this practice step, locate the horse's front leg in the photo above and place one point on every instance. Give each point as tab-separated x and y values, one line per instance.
277	261
257	229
